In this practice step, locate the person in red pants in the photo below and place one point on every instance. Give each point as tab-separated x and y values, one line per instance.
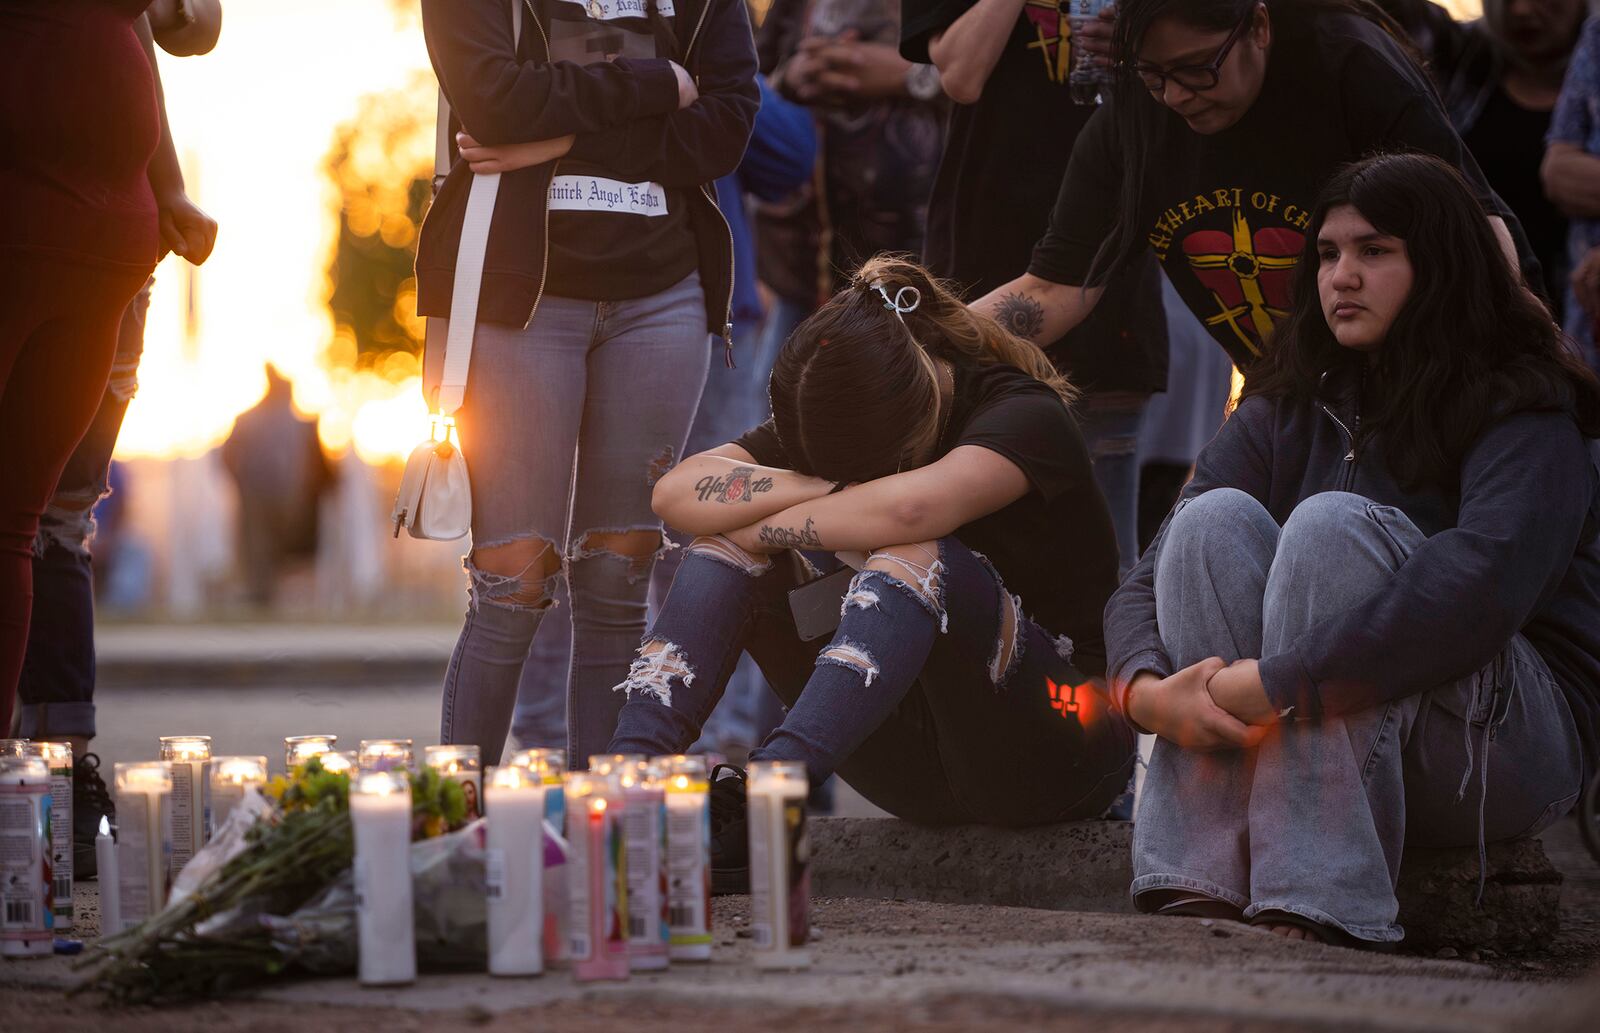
90	198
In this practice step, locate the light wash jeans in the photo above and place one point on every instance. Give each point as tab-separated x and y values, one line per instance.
1110	424
734	400
567	425
912	700
1313	820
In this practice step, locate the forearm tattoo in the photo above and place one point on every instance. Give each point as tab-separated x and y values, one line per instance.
789	538
740	485
1020	314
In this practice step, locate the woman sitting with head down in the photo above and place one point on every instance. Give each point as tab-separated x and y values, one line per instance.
954	677
1373	619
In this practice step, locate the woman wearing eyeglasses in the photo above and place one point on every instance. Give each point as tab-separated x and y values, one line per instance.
1228	118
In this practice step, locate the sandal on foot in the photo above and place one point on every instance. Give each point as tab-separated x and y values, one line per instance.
1178	904
1322	933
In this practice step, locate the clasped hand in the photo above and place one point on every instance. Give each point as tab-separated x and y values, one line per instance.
1211	705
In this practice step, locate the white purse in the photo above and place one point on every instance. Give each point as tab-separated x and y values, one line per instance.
435	497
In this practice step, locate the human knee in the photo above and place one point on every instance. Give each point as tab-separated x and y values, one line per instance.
517	575
652	672
1326	517
853	657
914	568
636	545
722	549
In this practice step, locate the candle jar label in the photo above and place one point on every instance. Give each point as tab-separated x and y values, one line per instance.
689	874
643	835
143	849
61	843
780	872
26	918
494	874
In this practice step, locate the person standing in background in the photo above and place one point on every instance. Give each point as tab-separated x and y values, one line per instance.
1012	130
90	198
1571	177
1500	82
55	690
780	156
879	122
607	285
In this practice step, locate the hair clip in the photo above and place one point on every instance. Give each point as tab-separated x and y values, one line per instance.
896	304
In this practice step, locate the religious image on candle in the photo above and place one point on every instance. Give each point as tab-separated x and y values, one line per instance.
460	764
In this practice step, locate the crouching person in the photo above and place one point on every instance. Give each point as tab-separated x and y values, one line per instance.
1373	619
934	452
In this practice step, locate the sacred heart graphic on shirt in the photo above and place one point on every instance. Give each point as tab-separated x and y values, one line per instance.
1248	274
1052	36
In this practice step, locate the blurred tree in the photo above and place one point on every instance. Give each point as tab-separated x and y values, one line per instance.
380	166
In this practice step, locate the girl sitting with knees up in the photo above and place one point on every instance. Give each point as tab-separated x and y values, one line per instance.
954	677
1373	619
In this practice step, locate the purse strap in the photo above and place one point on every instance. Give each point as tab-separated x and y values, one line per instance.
469	255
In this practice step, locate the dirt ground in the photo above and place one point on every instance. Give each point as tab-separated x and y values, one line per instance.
884	966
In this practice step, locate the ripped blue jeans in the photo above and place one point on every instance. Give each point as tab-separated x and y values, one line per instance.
1313	821
936	698
566	427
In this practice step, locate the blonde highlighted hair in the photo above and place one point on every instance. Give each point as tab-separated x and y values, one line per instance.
855	389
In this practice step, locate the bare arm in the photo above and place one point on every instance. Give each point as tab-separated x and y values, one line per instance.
1038	310
916	506
968	50
1571	178
724	489
185	229
185	28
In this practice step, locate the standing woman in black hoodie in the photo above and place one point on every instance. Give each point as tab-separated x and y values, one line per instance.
606	284
1374	617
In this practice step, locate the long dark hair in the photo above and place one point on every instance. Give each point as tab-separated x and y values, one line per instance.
1469	346
1139	116
855	391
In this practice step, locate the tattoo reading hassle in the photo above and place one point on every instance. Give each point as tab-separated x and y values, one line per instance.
738	486
1020	314
788	537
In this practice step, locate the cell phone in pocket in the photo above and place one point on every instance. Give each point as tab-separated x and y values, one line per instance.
815	605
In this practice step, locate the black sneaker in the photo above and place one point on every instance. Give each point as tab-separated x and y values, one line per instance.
90	802
730	832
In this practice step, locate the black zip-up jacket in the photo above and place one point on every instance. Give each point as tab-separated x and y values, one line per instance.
625	116
1514	550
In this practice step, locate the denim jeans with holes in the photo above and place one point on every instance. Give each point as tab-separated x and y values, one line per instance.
1313	820
566	427
920	699
56	691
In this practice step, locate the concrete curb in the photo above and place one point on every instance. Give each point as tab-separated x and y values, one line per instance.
1076	866
1088	865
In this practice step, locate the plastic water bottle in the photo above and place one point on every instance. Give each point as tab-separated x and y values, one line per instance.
1088	73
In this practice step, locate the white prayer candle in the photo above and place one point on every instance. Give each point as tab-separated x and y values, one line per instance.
596	880
105	856
144	839
297	749
780	869
385	755
644	833
683	779
551	767
380	813
231	778
514	871
189	756
339	763
27	925
460	763
58	758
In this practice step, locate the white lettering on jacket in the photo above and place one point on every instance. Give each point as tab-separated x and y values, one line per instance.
598	194
610	10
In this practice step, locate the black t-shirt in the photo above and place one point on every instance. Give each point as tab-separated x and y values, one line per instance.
612	239
1508	141
1054	547
1003	160
1226	213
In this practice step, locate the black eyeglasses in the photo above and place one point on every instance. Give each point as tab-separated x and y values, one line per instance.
1196	78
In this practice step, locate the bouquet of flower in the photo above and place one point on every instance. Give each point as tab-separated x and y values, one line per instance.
276	852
